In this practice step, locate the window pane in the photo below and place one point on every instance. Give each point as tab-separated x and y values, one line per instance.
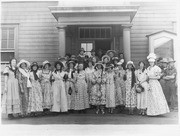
4	33
86	33
102	33
11	44
83	45
6	56
11	33
4	44
92	33
98	33
108	33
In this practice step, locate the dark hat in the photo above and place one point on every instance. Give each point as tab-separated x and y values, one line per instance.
58	62
34	64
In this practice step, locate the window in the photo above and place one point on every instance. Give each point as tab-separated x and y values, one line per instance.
88	46
8	41
95	32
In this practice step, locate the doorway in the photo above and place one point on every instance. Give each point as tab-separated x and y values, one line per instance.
103	45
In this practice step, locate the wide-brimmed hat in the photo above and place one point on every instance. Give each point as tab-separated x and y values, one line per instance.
58	62
113	51
170	60
70	61
105	56
120	62
164	60
34	64
23	61
130	62
61	58
99	63
115	58
151	57
46	62
109	66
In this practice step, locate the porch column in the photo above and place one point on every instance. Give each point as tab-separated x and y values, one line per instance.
62	40
126	42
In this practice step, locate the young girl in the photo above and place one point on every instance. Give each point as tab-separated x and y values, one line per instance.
81	96
105	60
89	70
70	86
130	87
45	76
25	85
156	101
141	75
35	93
11	99
97	94
58	87
110	88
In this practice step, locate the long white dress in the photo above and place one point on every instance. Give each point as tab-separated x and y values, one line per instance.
60	103
142	97
156	101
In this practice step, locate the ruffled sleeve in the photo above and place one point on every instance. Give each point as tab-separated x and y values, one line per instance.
6	71
158	71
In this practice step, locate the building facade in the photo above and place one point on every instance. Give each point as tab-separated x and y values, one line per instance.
45	30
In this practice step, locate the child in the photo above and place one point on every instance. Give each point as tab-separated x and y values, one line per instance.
110	88
45	76
11	99
58	87
130	87
97	94
81	96
35	93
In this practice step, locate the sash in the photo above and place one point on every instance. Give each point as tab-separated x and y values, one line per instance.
26	74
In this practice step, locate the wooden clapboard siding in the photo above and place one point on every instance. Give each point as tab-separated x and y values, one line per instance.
37	33
151	17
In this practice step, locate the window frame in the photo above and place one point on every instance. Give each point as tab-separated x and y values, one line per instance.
15	49
86	42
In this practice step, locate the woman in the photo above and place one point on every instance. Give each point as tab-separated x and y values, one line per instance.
25	85
105	60
11	99
130	87
45	77
89	70
60	103
141	76
35	93
81	95
70	86
97	94
110	88
115	60
156	101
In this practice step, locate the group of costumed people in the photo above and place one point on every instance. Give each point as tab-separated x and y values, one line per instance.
77	83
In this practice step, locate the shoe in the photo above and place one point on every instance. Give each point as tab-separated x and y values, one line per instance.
97	111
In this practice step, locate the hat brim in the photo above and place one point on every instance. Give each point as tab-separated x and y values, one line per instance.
111	51
95	66
46	64
105	56
26	62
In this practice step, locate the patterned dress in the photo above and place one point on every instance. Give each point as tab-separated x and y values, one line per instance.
110	90
89	78
156	101
60	103
118	90
130	91
11	99
122	84
46	89
142	97
81	96
35	95
98	91
69	84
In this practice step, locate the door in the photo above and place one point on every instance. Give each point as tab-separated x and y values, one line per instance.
103	45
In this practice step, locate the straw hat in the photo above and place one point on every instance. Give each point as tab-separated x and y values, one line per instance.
151	57
164	60
58	62
113	51
34	64
46	62
130	62
170	60
71	61
23	61
106	56
99	63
